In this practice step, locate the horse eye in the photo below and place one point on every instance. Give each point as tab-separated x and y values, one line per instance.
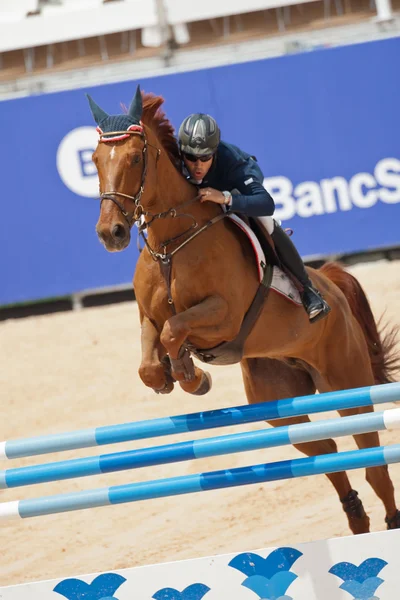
135	159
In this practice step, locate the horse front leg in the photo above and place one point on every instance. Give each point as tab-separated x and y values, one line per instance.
199	321
155	368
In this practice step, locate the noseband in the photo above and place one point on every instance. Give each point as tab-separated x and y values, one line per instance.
111	195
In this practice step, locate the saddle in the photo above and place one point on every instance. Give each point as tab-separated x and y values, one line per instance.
268	247
265	239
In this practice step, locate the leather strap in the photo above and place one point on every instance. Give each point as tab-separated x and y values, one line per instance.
229	353
166	268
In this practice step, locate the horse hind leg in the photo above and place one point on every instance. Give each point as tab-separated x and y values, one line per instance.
376	361
357	518
377	477
346	377
268	379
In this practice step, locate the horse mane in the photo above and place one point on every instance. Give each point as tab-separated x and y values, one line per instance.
154	117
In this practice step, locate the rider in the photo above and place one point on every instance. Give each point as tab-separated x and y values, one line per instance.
227	175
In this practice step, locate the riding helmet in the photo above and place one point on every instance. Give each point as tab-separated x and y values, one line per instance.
199	134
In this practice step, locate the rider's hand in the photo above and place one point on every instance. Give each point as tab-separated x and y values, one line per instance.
211	195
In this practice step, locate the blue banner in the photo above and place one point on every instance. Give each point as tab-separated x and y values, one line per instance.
324	126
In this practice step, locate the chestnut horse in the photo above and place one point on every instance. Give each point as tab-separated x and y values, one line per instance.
196	279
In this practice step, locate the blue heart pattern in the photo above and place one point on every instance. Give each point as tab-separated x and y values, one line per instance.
363	581
268	577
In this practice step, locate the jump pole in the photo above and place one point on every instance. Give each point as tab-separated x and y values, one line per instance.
216	446
265	411
201	482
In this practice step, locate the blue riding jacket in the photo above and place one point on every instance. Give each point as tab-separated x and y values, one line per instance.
235	170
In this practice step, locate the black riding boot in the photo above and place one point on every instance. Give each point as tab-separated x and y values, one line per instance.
313	302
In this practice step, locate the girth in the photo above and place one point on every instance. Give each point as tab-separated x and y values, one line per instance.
226	353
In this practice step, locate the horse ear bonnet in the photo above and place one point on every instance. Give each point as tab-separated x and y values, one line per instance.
109	123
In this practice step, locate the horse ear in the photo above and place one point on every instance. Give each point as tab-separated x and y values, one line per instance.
98	113
136	107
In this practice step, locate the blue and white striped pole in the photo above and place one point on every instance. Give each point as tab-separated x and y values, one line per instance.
217	446
202	482
266	411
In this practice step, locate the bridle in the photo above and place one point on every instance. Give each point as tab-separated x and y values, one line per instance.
111	136
139	211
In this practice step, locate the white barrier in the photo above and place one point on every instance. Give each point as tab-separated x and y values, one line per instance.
362	567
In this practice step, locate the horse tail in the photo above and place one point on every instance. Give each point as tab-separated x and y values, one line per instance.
381	340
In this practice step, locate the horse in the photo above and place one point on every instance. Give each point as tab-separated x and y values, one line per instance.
196	281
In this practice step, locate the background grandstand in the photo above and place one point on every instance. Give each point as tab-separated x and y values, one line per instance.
48	45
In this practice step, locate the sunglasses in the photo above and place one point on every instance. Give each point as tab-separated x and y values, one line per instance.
192	158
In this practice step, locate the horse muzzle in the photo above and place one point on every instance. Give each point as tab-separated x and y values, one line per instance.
115	237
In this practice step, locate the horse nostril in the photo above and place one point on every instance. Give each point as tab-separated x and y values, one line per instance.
118	232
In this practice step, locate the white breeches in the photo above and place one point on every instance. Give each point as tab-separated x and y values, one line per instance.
268	223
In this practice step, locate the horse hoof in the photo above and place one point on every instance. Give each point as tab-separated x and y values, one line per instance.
205	385
393	522
167	389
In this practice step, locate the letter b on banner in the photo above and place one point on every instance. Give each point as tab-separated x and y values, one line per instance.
74	161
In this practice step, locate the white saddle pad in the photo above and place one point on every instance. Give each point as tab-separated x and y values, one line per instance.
281	284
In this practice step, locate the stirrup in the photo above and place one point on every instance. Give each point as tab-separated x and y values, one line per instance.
318	311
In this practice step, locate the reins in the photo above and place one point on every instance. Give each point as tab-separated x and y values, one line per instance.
139	212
